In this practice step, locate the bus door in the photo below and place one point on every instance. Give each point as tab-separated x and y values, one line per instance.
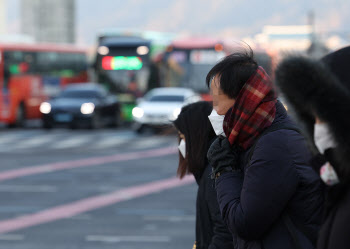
5	76
21	88
26	94
35	96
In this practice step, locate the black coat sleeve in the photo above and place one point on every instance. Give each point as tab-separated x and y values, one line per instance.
222	238
250	206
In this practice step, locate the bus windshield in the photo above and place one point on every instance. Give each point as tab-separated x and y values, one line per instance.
123	63
188	68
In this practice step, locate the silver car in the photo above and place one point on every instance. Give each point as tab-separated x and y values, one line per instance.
161	106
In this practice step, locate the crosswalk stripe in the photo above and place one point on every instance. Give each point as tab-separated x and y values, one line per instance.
8	138
117	239
110	142
149	142
62	139
35	142
172	218
71	142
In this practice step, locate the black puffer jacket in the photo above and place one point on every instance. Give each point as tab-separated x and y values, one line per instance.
277	182
211	232
335	229
322	88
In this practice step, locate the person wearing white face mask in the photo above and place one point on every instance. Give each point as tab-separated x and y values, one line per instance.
319	92
325	143
268	193
217	121
195	135
182	146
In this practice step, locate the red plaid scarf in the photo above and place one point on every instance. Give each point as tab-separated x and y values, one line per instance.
254	110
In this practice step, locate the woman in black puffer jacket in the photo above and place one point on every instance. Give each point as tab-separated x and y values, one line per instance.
195	137
319	93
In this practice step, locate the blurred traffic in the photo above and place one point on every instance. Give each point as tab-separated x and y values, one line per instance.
126	64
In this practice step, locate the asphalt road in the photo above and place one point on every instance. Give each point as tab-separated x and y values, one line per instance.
69	189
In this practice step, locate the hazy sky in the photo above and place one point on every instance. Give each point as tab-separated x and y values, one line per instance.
208	17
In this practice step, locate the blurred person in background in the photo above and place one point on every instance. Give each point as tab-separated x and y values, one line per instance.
269	195
195	136
319	91
132	87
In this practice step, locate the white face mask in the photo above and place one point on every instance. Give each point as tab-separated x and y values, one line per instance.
323	138
182	148
328	174
217	121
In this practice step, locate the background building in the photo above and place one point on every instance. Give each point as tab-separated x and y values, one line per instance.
49	20
2	17
286	38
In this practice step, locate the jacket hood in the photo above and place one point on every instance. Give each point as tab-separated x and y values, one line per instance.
319	88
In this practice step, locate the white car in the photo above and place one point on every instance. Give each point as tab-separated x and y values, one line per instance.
161	106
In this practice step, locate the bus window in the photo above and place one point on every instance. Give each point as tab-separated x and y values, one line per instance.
177	62
189	67
17	62
82	62
47	62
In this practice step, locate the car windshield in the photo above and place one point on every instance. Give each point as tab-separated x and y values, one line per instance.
81	94
166	98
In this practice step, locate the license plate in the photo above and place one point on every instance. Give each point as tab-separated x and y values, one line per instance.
63	117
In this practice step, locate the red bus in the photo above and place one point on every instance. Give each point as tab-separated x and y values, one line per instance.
31	74
189	60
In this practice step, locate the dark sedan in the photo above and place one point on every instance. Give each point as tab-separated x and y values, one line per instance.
84	104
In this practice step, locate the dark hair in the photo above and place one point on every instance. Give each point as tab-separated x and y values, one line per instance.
234	71
193	122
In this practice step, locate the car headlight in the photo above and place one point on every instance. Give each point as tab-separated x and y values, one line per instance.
45	108
176	113
142	50
87	108
103	50
137	112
